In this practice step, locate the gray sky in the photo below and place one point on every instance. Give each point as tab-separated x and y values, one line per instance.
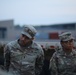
37	12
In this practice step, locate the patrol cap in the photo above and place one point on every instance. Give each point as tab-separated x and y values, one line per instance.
66	36
49	46
29	31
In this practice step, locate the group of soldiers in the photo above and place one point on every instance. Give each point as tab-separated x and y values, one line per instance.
26	57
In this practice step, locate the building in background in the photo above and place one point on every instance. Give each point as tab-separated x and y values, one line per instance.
51	32
9	31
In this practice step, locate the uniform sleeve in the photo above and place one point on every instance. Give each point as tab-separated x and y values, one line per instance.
53	65
6	58
39	62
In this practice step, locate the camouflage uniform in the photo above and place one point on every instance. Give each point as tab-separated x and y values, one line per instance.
62	63
2	72
23	61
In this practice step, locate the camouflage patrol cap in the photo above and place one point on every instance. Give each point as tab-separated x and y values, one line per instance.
49	46
29	31
66	36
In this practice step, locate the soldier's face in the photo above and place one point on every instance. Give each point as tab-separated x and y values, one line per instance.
68	44
24	39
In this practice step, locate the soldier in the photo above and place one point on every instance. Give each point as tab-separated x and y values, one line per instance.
63	61
48	52
24	56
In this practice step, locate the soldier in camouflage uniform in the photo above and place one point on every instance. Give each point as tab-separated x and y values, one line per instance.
63	62
24	56
48	52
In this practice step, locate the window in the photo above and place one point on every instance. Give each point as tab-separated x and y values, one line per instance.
3	32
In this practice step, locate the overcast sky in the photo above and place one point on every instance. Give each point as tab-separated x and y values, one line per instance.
37	12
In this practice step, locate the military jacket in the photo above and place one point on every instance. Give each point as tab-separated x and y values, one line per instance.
63	64
23	60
